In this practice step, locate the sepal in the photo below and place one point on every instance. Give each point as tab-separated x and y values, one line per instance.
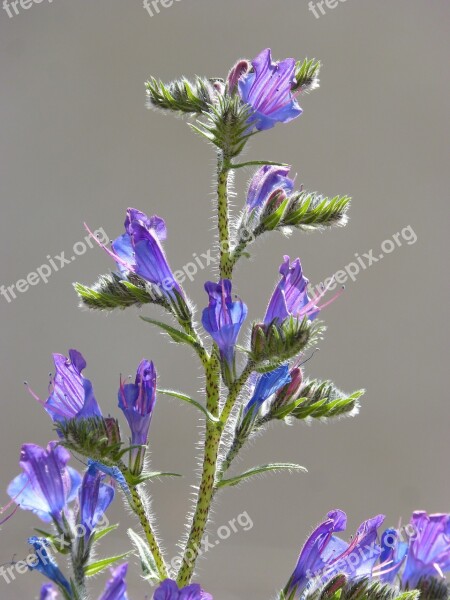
309	210
181	95
91	437
339	589
434	589
307	75
322	399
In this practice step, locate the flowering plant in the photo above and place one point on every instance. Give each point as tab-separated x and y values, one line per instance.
246	386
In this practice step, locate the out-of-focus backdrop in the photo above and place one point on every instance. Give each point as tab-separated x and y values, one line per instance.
78	144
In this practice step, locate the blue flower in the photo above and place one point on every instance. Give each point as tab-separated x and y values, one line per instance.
266	386
429	548
137	401
94	499
267	88
47	566
115	473
48	592
392	557
267	182
71	394
168	590
324	555
139	251
223	319
46	485
116	587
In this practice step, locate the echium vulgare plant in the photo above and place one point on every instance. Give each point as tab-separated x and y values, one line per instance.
246	386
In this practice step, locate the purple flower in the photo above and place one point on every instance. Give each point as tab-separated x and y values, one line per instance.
266	386
71	394
267	88
290	297
94	499
137	401
139	251
429	548
116	587
168	590
46	485
223	319
325	555
393	554
48	592
47	566
267	182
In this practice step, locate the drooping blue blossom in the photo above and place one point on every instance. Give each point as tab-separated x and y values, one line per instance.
70	395
137	401
48	592
392	557
223	319
429	548
266	385
290	297
95	496
324	555
45	565
115	473
267	182
116	587
47	484
267	88
168	590
139	250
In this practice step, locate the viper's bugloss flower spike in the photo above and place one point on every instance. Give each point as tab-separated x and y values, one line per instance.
70	394
46	565
266	385
47	484
290	297
392	557
267	88
267	182
324	555
116	587
137	401
139	251
429	548
95	496
168	590
48	592
223	319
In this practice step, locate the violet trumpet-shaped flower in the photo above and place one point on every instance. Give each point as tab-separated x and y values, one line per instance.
137	401
392	557
48	592
267	88
168	590
139	251
46	565
325	555
290	297
268	182
267	385
116	587
95	496
47	484
71	394
223	320
429	548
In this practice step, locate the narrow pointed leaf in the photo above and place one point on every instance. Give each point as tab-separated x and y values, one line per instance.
177	335
259	470
190	400
148	564
101	565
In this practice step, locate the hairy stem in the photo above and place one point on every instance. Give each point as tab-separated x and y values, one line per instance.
206	491
226	268
139	509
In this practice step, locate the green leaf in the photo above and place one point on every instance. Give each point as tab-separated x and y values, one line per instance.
272	467
148	563
134	480
176	334
307	75
255	163
322	399
102	532
309	210
101	565
190	400
181	95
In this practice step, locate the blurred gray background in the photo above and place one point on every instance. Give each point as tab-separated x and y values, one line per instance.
78	144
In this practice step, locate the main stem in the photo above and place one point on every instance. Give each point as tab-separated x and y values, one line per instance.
138	507
223	168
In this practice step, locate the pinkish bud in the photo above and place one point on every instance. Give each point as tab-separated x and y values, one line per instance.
240	68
